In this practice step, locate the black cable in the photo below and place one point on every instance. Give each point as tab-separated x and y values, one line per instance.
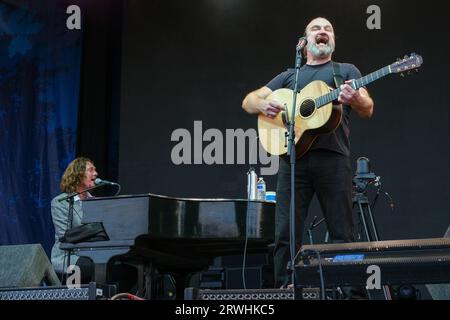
248	217
64	267
391	201
245	246
244	262
322	280
319	262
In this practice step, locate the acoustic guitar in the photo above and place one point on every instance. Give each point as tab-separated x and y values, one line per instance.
315	112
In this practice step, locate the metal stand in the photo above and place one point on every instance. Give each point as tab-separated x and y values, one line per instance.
293	159
366	217
369	230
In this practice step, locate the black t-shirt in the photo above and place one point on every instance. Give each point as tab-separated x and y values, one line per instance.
338	140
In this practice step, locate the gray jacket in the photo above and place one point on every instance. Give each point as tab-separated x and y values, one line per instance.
60	212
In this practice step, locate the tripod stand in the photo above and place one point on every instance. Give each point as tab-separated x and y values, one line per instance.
365	215
369	229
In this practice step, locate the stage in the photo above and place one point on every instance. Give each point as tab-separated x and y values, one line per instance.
154	94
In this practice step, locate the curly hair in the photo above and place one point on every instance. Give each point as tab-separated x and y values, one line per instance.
74	174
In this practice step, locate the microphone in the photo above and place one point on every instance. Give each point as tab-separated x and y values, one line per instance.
302	42
99	181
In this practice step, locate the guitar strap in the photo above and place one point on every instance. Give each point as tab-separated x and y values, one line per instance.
338	79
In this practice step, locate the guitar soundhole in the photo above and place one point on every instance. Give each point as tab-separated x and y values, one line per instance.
307	108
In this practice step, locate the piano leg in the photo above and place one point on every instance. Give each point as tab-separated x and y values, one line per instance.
154	284
141	280
150	275
100	272
155	287
180	284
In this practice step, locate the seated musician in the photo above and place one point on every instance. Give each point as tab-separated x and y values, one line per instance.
80	175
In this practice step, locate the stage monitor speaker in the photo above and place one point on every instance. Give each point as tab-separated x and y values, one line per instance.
440	291
251	294
238	294
84	292
25	266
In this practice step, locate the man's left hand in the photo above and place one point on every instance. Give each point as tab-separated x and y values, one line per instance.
348	95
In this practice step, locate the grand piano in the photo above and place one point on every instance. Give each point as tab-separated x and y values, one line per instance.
176	236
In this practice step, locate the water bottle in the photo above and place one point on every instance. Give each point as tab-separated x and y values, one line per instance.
261	189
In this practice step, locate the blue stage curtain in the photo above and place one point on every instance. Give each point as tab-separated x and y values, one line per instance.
39	93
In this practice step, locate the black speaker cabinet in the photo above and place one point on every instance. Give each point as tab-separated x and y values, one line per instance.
440	291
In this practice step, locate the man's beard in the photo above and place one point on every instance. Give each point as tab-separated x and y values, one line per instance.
322	51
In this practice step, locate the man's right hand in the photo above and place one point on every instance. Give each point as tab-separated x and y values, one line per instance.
256	102
271	108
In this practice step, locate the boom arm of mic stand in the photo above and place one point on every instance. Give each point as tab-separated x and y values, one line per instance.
74	194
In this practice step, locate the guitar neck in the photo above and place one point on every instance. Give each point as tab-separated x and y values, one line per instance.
356	84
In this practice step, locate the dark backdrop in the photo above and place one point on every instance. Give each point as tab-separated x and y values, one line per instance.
39	89
150	67
186	61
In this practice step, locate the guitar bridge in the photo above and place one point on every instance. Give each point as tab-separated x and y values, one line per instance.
284	119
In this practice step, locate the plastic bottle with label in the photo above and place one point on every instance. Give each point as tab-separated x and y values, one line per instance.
261	189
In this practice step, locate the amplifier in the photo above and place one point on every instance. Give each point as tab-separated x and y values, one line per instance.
85	292
250	294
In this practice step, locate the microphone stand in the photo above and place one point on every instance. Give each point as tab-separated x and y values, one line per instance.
71	200
291	152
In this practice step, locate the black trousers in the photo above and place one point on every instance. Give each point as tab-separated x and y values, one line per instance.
328	175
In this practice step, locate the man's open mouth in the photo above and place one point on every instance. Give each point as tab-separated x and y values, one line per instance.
322	40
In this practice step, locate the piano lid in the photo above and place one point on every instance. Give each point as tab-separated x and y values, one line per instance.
153	195
129	216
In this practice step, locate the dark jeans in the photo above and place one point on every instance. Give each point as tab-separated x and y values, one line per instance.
329	175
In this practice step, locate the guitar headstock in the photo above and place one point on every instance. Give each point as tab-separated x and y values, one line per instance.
407	64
